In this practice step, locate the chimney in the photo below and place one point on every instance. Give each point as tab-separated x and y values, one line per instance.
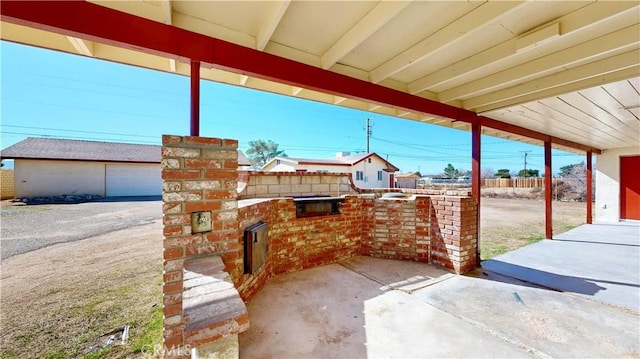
343	154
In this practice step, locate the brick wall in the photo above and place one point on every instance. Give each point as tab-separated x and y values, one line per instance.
400	229
199	175
251	212
368	225
396	228
283	184
454	232
301	243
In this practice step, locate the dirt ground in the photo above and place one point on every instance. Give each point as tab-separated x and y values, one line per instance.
57	300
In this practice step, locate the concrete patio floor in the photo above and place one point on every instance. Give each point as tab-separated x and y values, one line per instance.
597	261
373	308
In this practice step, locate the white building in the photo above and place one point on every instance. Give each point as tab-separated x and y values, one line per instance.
53	167
368	170
618	185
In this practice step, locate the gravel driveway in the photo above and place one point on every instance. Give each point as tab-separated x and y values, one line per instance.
27	228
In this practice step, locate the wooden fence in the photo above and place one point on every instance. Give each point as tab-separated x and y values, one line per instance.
529	182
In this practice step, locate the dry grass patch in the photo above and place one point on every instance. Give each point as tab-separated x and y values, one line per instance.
58	300
508	224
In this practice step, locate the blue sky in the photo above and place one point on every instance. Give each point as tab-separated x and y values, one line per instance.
53	94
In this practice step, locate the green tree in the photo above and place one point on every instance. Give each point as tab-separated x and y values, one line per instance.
451	171
503	173
262	151
529	173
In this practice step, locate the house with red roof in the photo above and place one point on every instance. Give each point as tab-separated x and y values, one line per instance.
368	170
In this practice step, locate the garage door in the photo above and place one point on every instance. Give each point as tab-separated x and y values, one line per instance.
133	180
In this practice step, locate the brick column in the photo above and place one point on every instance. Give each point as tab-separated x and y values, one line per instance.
199	175
423	232
454	231
368	225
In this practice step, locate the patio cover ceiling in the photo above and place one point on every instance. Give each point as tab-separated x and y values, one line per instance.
565	72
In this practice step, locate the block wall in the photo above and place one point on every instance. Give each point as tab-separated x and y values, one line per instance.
199	175
289	184
7	189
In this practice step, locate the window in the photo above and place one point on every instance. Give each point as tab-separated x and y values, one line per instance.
379	175
359	175
277	162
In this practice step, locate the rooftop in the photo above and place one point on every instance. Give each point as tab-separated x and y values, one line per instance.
77	150
350	160
80	150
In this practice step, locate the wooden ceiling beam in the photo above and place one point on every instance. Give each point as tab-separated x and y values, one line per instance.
587	19
616	42
615	68
271	21
367	26
96	23
82	47
450	35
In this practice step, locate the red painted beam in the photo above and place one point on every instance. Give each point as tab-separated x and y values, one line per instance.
195	98
589	198
476	136
98	23
548	220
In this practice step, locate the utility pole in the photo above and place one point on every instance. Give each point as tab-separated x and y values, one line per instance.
525	162
368	131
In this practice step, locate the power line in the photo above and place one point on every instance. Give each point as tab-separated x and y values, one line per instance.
130	114
78	138
78	131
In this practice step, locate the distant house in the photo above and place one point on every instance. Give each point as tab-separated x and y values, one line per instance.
52	167
368	170
407	180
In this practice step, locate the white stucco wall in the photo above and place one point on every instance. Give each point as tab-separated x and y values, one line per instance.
50	178
371	174
608	183
370	171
